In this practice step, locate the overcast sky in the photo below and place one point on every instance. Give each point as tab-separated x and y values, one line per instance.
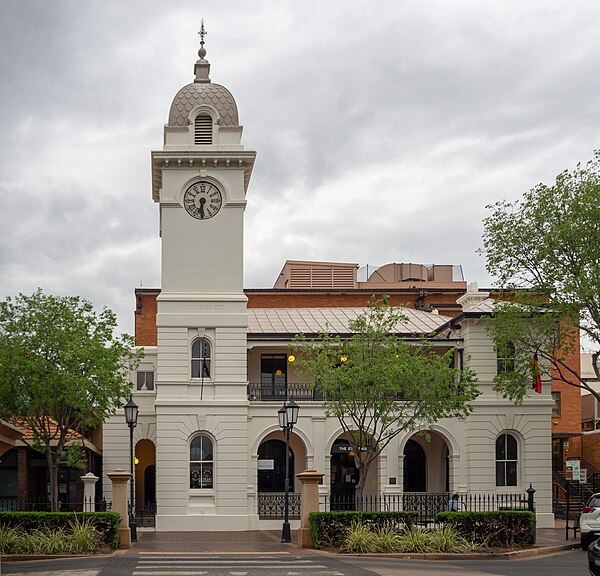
382	128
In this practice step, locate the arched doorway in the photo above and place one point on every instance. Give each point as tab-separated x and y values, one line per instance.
145	483
415	467
271	466
343	476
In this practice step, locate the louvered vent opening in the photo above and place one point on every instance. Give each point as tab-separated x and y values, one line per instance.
203	130
321	277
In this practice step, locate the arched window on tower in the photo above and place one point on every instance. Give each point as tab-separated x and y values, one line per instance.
203	129
201	462
201	358
507	460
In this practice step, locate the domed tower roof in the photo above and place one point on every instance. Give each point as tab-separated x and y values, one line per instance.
203	91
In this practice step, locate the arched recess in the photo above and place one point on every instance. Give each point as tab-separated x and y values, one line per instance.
271	462
145	473
426	466
343	472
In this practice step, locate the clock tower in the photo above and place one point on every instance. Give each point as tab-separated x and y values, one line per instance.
199	181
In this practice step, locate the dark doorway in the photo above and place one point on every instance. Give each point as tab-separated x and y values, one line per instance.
271	467
557	454
150	484
414	468
344	476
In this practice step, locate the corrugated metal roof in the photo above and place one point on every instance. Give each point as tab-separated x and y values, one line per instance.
334	320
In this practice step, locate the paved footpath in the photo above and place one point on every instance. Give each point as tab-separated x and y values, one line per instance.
250	553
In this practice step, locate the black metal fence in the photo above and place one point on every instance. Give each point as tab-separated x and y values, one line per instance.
429	504
271	505
14	504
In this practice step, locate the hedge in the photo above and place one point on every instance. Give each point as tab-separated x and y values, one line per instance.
329	528
106	523
501	529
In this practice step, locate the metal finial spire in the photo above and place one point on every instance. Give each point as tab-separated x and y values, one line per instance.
202	33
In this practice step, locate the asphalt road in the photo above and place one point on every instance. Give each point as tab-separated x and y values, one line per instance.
570	563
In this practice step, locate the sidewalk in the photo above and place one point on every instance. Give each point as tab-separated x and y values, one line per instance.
548	540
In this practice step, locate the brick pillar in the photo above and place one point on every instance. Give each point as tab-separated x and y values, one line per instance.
22	473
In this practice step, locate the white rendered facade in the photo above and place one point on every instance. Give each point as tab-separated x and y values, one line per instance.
202	298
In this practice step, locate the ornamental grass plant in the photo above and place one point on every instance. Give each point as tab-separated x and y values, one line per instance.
79	537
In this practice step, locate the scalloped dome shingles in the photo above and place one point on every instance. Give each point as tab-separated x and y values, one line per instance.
211	94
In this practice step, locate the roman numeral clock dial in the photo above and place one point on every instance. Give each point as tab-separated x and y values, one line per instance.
202	200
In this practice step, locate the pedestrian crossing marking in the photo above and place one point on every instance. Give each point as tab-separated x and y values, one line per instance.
240	564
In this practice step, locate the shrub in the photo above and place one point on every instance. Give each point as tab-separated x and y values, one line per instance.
10	539
500	529
414	539
57	532
387	540
329	529
84	537
360	539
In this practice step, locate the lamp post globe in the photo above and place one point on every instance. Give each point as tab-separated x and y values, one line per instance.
131	415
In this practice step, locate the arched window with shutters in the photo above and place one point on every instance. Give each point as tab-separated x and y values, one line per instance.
203	126
201	358
201	462
507	460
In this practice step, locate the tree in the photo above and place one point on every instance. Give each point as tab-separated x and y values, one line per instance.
544	251
378	385
61	370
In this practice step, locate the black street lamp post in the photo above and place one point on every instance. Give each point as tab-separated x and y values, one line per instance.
288	416
131	416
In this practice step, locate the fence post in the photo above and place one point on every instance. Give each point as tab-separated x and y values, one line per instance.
530	503
310	479
119	479
89	491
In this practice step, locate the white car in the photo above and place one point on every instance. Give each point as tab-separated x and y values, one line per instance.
589	521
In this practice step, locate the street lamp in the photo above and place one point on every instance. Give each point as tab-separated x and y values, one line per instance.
131	416
288	416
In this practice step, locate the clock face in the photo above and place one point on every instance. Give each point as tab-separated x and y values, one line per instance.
202	200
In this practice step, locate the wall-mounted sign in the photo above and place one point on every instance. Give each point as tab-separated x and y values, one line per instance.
266	464
575	467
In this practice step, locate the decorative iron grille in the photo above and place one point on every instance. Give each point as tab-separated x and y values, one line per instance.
271	505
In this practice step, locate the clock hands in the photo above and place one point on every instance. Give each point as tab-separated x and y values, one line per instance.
202	202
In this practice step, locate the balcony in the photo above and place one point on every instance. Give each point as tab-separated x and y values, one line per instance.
285	391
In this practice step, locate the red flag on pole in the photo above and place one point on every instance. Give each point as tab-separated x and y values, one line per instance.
537	374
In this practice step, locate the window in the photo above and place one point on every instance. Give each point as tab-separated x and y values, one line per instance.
203	130
506	460
201	462
506	357
556	407
145	380
273	376
201	358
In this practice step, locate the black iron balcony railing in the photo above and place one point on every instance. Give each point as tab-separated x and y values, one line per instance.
280	392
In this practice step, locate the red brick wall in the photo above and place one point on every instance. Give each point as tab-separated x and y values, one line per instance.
569	421
145	317
445	302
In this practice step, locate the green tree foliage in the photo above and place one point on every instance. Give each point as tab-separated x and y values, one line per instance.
61	369
544	251
378	385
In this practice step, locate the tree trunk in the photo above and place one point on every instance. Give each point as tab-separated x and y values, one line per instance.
52	460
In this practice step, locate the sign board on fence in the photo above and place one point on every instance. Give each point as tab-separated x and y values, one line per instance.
575	467
583	475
